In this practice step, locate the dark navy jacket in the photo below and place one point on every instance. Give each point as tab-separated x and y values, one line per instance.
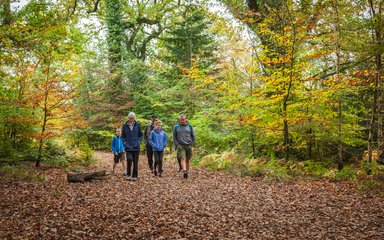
132	138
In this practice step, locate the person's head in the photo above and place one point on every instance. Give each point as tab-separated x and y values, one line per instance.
158	125
183	119
154	118
118	132
131	117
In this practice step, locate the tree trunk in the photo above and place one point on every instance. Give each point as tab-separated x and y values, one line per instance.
86	177
372	125
379	111
337	30
253	144
7	15
377	85
377	38
41	141
340	164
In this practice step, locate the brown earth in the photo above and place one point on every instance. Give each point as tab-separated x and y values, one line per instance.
207	205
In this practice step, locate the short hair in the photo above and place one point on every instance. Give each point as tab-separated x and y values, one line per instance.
158	122
154	116
183	115
132	115
118	129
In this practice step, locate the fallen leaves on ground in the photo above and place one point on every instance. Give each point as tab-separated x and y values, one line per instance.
207	205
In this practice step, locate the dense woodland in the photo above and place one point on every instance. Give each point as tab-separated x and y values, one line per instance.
273	88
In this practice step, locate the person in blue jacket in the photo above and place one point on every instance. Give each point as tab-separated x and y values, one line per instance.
118	151
132	137
158	141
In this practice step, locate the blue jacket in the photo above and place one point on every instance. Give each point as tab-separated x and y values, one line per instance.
158	140
117	145
132	138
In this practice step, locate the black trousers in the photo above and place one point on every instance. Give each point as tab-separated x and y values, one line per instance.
149	151
133	159
159	161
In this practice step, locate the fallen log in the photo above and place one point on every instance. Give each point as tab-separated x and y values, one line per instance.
86	177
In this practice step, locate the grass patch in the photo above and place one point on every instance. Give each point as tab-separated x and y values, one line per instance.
374	187
20	173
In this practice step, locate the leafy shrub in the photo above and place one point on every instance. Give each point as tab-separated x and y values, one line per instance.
58	161
209	161
86	154
275	172
100	139
6	150
370	186
218	161
347	173
315	168
53	149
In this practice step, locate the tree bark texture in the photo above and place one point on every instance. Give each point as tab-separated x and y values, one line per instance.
86	177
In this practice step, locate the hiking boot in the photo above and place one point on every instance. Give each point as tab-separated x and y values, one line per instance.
160	175
124	174
129	178
179	169
185	174
113	172
134	179
155	173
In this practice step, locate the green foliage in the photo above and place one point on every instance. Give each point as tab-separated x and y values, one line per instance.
218	161
370	186
315	168
347	173
189	39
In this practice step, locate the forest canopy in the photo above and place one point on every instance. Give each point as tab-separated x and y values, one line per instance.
263	82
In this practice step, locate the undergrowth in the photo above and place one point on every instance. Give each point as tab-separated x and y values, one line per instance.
276	170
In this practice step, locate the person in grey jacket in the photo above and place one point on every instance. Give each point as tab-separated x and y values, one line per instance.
184	137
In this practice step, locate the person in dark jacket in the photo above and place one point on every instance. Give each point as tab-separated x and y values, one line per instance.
184	138
148	148
118	151
132	137
158	141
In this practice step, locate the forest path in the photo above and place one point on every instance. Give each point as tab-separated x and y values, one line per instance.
207	205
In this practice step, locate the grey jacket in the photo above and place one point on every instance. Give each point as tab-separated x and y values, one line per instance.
184	135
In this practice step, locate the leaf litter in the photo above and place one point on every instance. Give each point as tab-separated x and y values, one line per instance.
207	205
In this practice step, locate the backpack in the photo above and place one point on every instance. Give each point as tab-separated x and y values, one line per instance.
190	127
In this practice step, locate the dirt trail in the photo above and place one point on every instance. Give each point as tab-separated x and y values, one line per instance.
205	206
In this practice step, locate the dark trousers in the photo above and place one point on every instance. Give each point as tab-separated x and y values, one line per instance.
149	150
159	161
132	159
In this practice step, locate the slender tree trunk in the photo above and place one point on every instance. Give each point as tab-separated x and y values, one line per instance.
253	144
377	38
340	164
337	78
289	85
379	111
377	85
372	123
7	14
44	124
